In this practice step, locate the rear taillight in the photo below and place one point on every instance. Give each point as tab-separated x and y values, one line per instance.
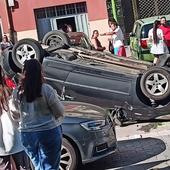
143	43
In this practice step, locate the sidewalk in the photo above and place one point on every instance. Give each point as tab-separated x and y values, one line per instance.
142	130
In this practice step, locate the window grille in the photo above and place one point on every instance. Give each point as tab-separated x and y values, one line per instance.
70	9
51	12
40	13
81	7
61	10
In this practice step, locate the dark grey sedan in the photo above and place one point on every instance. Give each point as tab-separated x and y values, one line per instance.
135	90
88	134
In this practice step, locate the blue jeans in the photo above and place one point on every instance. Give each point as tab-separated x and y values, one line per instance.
43	148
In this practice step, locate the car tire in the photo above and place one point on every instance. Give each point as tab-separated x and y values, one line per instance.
155	84
56	39
69	158
8	65
26	49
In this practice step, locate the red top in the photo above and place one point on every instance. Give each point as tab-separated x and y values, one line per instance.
10	83
166	32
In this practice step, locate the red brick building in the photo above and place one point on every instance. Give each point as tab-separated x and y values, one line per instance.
33	18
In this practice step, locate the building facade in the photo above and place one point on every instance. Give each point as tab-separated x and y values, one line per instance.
32	19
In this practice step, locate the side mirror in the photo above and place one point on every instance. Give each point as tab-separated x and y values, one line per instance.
131	34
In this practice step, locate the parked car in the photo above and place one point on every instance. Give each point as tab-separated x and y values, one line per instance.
134	89
88	135
139	38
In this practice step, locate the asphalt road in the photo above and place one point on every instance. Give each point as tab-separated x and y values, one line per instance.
150	151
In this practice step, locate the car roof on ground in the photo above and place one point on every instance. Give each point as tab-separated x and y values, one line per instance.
149	20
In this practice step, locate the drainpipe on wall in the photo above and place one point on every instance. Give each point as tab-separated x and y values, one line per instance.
114	9
8	6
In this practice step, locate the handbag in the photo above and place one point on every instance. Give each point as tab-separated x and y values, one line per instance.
122	51
8	132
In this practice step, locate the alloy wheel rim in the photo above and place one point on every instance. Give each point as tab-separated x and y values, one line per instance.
156	84
25	52
54	40
66	159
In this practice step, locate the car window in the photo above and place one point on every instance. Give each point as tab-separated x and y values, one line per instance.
145	29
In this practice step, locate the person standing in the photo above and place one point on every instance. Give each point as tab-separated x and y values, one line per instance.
10	144
5	43
95	41
156	38
40	114
117	37
111	48
166	31
109	33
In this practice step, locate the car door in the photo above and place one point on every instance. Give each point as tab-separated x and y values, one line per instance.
134	40
56	71
96	85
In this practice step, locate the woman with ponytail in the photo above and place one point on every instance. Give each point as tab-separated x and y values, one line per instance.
156	38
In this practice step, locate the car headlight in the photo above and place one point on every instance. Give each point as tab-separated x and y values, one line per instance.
93	125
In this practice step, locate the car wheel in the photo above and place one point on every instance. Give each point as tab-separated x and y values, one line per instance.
69	159
155	84
26	49
56	39
8	65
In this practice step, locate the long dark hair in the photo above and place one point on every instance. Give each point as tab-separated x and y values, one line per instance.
4	92
155	27
94	33
32	82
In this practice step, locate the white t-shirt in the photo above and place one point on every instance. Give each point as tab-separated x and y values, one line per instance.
161	47
118	38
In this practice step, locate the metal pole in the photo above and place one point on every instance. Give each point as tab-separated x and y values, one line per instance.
10	21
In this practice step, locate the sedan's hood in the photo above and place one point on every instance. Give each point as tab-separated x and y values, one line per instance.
83	110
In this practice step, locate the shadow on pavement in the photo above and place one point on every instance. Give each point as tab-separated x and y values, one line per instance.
130	152
144	166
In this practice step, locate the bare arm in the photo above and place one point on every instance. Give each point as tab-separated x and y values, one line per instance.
108	33
96	46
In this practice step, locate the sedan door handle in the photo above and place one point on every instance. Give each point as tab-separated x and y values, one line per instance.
67	97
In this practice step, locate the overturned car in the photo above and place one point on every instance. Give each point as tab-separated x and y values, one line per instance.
133	90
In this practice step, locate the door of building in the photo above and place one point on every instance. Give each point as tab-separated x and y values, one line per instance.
43	26
78	23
